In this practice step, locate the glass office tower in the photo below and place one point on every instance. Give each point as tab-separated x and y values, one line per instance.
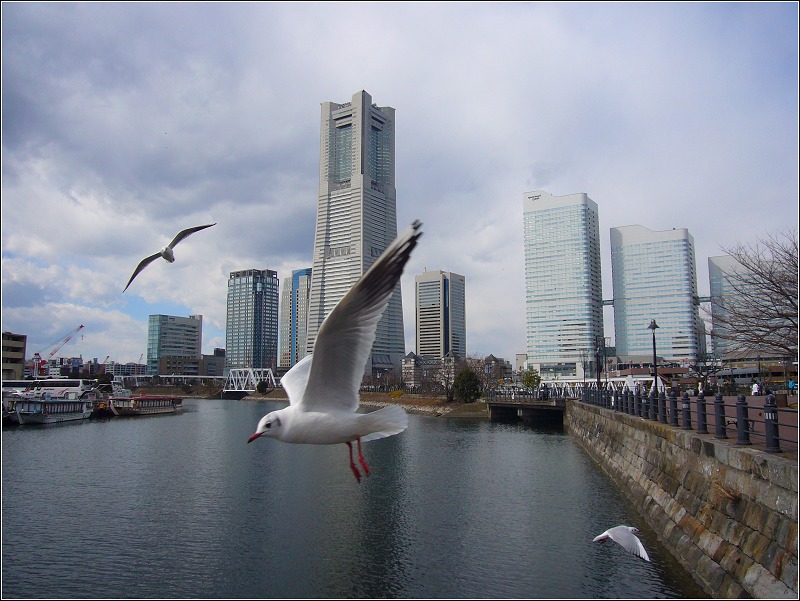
356	217
654	277
441	314
294	317
720	269
563	286
174	344
251	332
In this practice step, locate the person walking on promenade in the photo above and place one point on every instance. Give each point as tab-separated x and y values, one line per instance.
755	388
791	386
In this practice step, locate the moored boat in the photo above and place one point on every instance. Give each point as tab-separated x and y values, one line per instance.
146	404
10	398
48	409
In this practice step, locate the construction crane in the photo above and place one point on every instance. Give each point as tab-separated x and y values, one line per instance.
37	360
63	342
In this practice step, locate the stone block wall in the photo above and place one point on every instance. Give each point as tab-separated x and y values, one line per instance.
728	513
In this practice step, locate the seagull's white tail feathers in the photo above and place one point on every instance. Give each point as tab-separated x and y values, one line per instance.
384	422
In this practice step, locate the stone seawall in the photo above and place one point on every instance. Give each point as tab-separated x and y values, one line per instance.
728	513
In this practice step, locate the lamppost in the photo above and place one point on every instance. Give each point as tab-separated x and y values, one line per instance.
653	325
598	358
758	378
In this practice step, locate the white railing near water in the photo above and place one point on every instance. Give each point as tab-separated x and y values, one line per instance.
247	379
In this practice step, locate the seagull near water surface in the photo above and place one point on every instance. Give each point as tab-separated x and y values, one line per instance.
166	252
323	386
626	537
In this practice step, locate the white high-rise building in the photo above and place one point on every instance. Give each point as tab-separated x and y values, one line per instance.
356	217
655	278
441	314
563	286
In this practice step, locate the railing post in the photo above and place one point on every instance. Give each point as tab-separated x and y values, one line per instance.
653	404
771	425
742	425
637	402
702	423
616	401
673	408
719	417
686	412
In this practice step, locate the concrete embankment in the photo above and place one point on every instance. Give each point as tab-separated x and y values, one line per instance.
727	512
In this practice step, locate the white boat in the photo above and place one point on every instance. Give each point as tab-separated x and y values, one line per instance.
146	404
10	398
48	409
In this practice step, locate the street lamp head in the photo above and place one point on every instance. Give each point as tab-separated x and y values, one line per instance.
653	325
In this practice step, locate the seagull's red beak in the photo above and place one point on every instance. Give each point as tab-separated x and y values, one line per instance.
253	437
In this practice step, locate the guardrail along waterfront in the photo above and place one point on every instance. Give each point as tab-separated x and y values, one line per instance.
756	421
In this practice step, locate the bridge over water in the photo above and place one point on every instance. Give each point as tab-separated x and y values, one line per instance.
242	382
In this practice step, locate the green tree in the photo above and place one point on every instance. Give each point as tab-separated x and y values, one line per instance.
531	379
467	386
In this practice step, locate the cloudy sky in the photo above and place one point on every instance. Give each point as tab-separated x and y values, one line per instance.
123	123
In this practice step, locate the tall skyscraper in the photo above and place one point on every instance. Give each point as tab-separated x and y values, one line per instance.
720	270
294	317
441	314
251	332
174	344
654	277
563	286
356	217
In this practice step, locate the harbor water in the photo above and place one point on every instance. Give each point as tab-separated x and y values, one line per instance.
179	506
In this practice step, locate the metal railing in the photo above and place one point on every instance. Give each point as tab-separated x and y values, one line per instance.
769	429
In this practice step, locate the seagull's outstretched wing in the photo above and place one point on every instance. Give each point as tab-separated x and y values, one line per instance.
294	381
625	537
345	338
188	232
142	264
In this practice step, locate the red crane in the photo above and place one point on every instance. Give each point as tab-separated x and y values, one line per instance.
37	360
63	342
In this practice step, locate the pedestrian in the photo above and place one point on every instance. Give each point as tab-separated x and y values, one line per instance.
755	388
791	386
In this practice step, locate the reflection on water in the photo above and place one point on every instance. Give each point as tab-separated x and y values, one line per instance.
180	506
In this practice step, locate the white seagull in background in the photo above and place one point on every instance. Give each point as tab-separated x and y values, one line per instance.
627	539
166	252
323	386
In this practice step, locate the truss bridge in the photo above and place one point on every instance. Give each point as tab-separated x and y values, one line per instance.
242	382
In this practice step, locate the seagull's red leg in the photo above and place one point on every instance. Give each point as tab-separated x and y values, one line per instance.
353	465
361	459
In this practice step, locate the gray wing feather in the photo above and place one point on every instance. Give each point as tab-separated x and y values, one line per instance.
345	338
142	264
188	232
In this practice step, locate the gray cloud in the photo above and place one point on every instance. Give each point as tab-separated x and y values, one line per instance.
123	123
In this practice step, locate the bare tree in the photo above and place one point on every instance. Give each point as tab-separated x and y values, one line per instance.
705	366
761	313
